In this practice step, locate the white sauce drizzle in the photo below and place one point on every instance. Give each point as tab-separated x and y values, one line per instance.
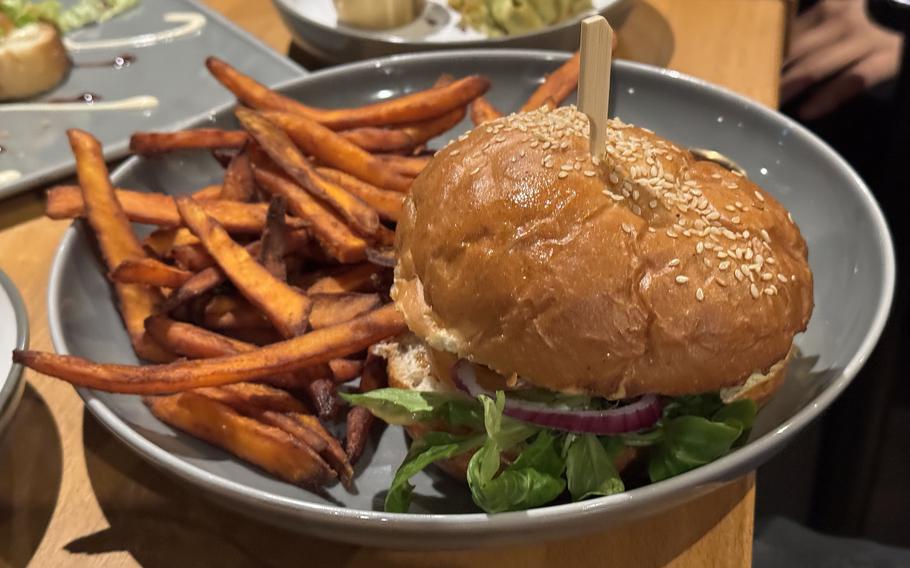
191	22
144	102
9	176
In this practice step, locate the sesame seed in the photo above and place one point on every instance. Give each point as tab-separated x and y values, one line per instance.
721	254
753	289
671	234
793	278
773	288
767	276
724	265
759	196
739	274
653	204
721	282
475	170
746	234
682	279
636	209
700	294
699	247
562	175
713	216
673	262
768	291
782	278
627	227
730	208
590	173
735	219
708	262
455	152
765	236
749	254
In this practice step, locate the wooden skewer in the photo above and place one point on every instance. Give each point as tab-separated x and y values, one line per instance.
594	78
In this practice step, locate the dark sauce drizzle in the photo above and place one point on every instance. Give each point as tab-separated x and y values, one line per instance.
121	61
87	98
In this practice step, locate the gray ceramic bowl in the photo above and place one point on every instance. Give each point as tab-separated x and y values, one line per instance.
851	257
312	23
13	335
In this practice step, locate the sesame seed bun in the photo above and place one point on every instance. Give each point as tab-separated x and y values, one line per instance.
644	272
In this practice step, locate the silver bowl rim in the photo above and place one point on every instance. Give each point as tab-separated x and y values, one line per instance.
332	516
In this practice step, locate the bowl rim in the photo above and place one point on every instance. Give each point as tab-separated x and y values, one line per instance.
12	385
471	523
377	36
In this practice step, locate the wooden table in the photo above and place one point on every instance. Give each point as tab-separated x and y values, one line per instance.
72	494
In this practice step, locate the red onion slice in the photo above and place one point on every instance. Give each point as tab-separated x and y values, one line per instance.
638	415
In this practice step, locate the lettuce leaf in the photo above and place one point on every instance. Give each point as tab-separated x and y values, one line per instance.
690	441
430	448
692	431
533	479
589	469
401	407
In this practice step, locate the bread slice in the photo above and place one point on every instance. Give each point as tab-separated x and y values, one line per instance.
32	60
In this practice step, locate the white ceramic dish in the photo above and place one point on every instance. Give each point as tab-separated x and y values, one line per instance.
13	335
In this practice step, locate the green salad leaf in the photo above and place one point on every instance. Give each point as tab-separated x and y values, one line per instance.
400	406
589	469
533	479
431	447
79	15
692	431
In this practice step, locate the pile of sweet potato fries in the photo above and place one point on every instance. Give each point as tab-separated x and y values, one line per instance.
257	297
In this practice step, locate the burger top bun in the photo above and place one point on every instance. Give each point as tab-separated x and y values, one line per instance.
644	271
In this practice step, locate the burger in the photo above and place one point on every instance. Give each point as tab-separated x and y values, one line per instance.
581	322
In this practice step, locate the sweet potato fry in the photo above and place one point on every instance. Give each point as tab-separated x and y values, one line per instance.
387	203
483	111
116	240
331	309
331	232
336	151
323	394
356	278
65	202
162	241
207	278
270	448
195	342
558	85
344	370
274	243
424	131
192	341
410	166
359	419
208	192
408	108
306	425
238	178
146	143
283	152
244	397
377	139
193	258
285	307
232	312
150	272
315	347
